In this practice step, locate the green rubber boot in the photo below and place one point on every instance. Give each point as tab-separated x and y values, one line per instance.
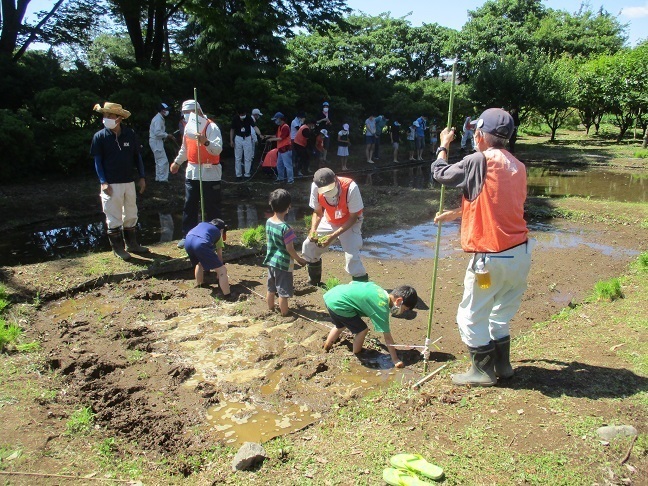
482	367
503	368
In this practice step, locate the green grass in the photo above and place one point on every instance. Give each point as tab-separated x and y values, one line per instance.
4	298
9	334
641	154
80	422
134	356
253	237
642	262
607	290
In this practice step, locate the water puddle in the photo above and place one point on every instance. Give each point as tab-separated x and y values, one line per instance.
49	240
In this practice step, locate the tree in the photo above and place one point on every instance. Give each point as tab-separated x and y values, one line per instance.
373	48
584	34
147	24
66	22
589	96
255	31
554	88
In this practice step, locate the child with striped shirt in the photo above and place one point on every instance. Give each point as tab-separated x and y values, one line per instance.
281	253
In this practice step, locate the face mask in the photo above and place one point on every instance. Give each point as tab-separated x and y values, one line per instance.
332	193
278	122
325	110
396	310
109	123
165	112
186	116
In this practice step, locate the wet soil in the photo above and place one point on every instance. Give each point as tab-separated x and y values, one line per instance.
178	369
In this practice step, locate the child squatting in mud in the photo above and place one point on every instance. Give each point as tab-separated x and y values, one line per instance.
204	245
347	304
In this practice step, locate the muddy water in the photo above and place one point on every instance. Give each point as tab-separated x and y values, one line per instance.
229	351
49	240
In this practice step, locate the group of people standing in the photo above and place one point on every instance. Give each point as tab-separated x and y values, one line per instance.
493	229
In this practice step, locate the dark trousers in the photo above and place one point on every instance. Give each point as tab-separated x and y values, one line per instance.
302	157
212	195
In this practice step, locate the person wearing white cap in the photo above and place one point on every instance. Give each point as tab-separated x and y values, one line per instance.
116	151
256	114
157	136
323	122
337	214
494	233
343	145
204	148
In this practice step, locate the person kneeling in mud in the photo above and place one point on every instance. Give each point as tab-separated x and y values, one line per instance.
204	245
347	304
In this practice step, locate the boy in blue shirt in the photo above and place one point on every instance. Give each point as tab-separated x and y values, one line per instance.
281	253
347	304
204	245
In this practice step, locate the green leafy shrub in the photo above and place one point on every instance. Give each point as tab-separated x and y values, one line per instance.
641	154
254	237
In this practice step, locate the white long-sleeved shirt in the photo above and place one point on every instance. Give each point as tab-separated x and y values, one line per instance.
215	147
157	130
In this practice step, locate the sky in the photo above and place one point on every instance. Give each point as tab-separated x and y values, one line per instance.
631	12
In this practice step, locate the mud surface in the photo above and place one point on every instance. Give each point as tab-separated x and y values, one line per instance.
173	367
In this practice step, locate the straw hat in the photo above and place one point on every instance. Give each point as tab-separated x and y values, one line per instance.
113	108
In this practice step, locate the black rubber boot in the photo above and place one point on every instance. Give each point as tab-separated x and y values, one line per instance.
503	368
482	367
315	273
130	237
361	278
117	244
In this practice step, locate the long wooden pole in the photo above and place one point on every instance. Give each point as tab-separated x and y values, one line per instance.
202	199
438	239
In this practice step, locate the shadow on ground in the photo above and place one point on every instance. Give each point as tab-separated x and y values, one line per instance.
577	379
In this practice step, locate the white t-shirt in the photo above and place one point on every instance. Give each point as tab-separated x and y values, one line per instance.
354	199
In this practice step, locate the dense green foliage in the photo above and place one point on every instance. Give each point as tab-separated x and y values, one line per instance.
290	56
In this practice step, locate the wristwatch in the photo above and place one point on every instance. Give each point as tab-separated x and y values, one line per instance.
441	149
206	143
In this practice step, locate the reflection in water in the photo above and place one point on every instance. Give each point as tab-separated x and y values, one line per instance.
247	216
166	227
591	183
36	243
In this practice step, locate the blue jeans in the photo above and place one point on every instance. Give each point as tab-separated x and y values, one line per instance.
285	166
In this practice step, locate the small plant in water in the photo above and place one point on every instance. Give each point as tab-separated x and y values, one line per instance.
80	421
253	237
608	290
